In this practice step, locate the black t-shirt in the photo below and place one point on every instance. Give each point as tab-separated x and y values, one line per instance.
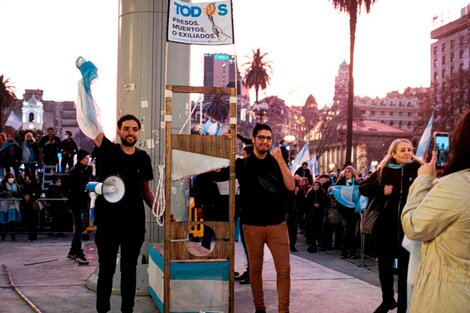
126	216
262	191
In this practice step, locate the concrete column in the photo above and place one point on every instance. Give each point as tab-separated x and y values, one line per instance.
146	63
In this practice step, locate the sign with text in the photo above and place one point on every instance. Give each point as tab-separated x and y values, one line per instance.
204	23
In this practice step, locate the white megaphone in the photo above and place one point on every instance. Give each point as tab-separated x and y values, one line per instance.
112	189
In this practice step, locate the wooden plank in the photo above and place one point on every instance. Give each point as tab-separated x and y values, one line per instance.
217	146
200	89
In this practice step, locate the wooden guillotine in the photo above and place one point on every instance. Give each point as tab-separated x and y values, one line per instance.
182	277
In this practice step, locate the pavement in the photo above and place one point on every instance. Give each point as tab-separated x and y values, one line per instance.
321	282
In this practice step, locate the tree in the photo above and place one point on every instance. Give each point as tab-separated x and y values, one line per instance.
448	101
352	8
278	116
257	72
218	107
7	97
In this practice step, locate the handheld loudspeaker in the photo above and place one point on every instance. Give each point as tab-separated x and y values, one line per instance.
112	189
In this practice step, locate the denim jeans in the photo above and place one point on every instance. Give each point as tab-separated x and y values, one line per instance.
276	237
108	247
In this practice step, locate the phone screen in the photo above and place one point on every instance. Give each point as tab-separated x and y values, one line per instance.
442	149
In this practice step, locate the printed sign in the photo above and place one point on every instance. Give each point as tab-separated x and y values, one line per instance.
204	23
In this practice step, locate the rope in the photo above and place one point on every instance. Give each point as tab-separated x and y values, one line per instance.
158	207
22	296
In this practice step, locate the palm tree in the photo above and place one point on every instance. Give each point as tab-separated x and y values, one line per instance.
7	97
217	107
257	73
351	7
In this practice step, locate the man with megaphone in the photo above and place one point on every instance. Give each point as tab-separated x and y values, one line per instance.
125	172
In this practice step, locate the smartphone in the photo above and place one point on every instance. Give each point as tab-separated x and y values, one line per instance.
441	144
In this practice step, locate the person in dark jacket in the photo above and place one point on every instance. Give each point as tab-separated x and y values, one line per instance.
79	176
10	156
68	148
389	186
317	204
303	171
50	145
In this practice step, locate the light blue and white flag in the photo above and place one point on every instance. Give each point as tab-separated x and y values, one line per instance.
302	156
88	112
13	121
350	197
314	165
425	139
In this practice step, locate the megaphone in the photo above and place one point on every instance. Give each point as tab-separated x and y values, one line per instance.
112	189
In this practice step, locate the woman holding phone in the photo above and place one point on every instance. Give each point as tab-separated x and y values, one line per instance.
388	186
438	214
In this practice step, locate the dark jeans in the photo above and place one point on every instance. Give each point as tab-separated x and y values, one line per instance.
32	221
108	246
292	226
386	272
350	218
77	213
64	162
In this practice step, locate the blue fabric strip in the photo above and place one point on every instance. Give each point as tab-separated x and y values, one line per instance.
192	271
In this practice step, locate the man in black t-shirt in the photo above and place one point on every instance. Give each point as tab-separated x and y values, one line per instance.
265	183
121	224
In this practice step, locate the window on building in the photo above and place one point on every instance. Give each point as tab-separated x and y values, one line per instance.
452	44
452	58
461	54
434	50
443	74
391	113
443	47
443	60
452	70
31	117
435	74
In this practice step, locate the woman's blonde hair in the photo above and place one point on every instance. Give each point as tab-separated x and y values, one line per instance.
391	149
352	169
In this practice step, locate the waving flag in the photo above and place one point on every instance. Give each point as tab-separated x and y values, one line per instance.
88	112
425	139
302	156
13	121
350	197
314	165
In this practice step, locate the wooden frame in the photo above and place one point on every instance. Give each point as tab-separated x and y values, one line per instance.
175	233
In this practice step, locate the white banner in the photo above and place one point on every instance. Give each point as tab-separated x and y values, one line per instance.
204	23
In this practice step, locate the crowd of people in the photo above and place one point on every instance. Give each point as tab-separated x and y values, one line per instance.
411	202
415	202
23	157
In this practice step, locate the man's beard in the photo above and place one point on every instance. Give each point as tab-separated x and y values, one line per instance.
128	144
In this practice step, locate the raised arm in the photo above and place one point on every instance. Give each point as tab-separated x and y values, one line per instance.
287	177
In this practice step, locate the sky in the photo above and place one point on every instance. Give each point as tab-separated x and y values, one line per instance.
306	40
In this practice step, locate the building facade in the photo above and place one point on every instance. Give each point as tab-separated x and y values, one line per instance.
450	52
399	110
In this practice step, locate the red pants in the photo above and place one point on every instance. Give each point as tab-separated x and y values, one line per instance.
276	238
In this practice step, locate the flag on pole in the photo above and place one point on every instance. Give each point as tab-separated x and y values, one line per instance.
314	165
425	139
13	121
302	156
